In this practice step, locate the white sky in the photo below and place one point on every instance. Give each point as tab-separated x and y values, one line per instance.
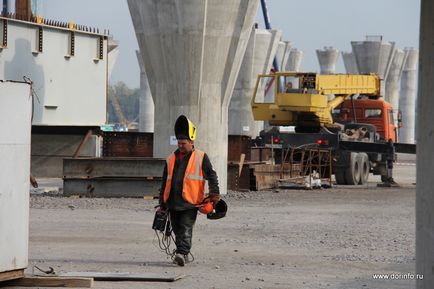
309	25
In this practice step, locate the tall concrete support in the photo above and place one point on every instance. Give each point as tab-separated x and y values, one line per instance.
258	59
146	103
407	99
394	78
374	56
282	54
425	156
350	62
327	59
113	52
192	51
294	60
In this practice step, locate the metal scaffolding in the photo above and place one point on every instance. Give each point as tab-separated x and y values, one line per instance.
305	165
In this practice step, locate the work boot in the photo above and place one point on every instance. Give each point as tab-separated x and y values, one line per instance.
188	258
179	259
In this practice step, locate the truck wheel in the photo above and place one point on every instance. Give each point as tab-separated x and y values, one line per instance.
352	175
364	168
340	177
385	179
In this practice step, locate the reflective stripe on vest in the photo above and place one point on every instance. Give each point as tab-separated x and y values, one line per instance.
198	166
193	190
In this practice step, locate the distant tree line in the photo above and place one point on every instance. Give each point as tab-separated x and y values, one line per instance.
128	100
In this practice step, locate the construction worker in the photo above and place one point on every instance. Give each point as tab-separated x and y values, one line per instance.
183	187
289	87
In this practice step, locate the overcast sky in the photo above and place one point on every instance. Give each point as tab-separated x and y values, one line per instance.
309	25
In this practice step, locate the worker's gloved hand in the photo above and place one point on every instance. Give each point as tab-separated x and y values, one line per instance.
214	197
162	205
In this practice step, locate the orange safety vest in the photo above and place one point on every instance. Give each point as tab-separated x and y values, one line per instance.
193	190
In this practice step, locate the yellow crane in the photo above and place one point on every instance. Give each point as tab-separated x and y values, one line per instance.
303	99
118	110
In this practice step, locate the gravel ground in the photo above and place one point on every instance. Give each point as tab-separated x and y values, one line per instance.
330	238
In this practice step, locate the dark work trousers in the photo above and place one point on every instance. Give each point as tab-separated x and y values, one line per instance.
182	225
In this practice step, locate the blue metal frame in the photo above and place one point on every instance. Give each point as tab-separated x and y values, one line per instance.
268	26
5	7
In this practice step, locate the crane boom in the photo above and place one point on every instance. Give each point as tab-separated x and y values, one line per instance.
117	108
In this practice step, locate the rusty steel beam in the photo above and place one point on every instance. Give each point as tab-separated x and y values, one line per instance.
115	187
112	167
112	177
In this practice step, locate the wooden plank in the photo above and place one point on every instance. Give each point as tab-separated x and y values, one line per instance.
51	282
242	157
142	277
267	176
10	275
237	145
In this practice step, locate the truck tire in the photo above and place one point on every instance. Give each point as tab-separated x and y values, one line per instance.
364	168
340	165
352	175
340	177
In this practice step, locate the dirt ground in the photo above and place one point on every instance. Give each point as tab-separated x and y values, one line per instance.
329	238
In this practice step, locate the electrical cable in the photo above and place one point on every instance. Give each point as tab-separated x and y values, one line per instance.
166	239
33	94
48	272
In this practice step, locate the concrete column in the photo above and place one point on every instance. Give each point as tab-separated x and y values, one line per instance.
294	60
425	156
113	52
258	59
146	109
350	62
146	101
327	59
282	54
192	51
374	56
407	99
394	78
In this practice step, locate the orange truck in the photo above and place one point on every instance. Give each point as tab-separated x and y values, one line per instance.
369	111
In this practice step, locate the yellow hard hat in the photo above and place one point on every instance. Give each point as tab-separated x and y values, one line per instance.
184	128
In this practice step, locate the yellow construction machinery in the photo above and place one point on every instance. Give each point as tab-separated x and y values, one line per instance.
307	99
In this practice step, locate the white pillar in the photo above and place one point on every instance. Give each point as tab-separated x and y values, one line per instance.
408	94
192	51
327	59
294	60
425	155
258	59
393	80
350	62
146	103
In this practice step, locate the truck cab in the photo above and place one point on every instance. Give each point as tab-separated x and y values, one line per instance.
376	112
